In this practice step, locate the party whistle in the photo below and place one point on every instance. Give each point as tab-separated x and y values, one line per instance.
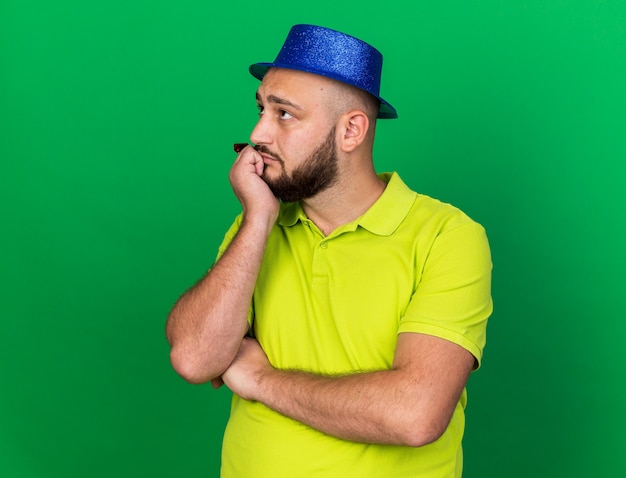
238	147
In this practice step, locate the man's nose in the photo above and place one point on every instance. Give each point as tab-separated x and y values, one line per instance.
262	134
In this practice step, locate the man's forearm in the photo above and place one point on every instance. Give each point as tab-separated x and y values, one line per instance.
411	404
207	324
373	407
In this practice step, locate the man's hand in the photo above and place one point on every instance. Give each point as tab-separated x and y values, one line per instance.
246	371
256	198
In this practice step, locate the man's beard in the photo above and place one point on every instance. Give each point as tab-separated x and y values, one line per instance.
317	173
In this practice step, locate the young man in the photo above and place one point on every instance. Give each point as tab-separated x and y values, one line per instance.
345	311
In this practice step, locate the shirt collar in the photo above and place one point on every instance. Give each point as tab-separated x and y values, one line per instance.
388	212
383	218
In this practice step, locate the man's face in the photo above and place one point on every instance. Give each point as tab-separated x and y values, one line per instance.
295	135
313	175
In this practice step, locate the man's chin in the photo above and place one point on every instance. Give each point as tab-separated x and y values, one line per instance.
270	174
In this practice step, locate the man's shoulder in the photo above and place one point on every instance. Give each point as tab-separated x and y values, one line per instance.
427	208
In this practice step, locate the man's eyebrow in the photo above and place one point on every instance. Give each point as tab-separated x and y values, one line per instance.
278	100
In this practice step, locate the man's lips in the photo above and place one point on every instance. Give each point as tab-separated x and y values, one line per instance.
267	159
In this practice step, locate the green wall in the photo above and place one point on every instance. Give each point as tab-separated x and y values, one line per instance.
117	120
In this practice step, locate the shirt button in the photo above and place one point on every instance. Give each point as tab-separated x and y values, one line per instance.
324	245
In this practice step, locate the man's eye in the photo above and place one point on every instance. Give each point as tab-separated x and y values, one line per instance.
261	110
285	115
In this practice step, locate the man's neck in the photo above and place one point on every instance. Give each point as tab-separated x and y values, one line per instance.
343	202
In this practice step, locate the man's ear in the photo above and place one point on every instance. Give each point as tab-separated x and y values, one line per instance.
354	127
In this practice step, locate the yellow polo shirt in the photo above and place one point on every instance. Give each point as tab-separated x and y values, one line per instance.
336	304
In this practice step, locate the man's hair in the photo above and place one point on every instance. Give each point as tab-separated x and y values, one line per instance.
347	97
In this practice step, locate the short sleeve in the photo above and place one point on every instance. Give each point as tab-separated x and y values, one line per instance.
453	298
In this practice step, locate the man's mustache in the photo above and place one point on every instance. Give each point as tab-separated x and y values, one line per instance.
261	148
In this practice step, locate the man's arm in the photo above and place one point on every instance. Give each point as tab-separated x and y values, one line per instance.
207	324
411	404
